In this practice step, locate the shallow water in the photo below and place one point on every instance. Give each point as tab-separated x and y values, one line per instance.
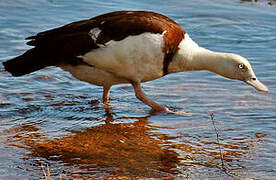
46	117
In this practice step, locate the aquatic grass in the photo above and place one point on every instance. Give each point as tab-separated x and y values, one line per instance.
223	167
47	176
217	136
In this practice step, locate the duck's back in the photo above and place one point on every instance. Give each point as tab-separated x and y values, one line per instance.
121	41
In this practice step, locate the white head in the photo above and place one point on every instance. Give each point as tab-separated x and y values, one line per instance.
234	66
191	56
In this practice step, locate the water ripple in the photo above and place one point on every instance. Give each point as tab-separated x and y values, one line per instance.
49	117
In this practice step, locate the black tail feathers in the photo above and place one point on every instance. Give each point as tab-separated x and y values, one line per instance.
30	61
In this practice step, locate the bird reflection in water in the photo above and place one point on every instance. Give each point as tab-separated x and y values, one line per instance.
113	148
133	149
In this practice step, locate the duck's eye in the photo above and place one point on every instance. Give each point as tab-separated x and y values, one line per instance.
241	66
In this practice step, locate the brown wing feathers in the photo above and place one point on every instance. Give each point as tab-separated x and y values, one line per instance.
61	45
64	44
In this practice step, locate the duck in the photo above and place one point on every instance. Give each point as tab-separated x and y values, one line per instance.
127	47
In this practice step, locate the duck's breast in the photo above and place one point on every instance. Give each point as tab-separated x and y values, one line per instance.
135	58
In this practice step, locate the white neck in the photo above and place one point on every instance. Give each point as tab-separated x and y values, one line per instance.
191	57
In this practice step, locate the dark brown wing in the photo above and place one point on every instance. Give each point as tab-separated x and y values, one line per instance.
64	44
72	40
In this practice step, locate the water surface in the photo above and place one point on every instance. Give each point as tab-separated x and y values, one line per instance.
48	117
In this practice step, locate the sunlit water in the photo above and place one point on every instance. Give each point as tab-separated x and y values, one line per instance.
46	117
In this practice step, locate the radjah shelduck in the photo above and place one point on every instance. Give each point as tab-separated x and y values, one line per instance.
127	47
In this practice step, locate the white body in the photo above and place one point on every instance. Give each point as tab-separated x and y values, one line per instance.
135	58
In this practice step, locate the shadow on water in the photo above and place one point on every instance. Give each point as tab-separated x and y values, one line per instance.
133	149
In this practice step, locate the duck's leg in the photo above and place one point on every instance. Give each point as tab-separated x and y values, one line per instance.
143	97
106	90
